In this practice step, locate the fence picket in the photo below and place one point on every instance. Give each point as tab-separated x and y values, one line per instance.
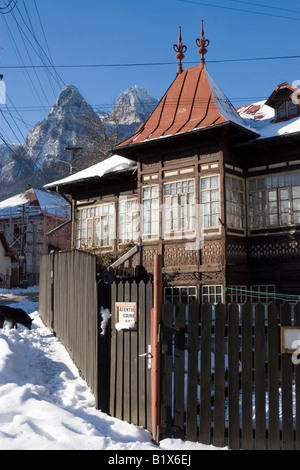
219	376
205	374
297	381
246	378
134	356
273	383
286	387
233	378
179	369
192	378
167	368
260	378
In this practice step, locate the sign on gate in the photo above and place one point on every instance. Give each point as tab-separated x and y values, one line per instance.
290	339
126	318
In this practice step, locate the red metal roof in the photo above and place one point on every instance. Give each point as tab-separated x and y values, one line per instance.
193	101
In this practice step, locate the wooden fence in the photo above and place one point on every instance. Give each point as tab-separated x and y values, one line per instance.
68	304
224	379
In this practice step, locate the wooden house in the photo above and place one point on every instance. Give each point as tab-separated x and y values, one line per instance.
7	258
214	189
31	222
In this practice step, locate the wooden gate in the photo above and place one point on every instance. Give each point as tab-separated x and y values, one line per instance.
130	375
224	379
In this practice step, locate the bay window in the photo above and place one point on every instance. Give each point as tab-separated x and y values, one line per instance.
274	200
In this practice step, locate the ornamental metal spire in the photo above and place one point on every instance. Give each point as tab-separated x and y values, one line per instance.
202	44
180	49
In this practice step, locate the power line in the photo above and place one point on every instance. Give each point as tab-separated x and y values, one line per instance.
149	64
39	47
33	89
25	161
110	105
22	34
238	9
8	8
267	6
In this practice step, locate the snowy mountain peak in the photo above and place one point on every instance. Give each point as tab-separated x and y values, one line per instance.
70	98
134	105
72	122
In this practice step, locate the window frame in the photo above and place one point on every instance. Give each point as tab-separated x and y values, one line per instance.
132	212
152	235
186	216
93	217
191	297
271	204
287	107
210	293
235	208
237	294
209	203
257	293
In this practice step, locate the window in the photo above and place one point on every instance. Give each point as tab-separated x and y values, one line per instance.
287	109
150	212
210	201
95	226
179	207
235	204
236	294
282	111
128	220
274	200
293	110
262	293
212	294
186	295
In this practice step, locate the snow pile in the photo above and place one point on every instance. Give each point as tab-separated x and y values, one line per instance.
46	405
261	118
110	165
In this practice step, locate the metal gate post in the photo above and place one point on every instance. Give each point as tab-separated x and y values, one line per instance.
156	346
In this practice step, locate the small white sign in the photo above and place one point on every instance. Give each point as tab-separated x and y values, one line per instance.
290	339
126	316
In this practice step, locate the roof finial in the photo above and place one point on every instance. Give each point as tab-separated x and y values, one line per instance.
202	44
180	49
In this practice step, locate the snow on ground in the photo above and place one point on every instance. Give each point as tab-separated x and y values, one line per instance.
46	405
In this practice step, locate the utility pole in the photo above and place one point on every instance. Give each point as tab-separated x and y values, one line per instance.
74	151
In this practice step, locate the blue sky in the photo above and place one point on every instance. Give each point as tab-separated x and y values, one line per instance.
109	35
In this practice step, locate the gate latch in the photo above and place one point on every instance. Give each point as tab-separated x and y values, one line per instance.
148	355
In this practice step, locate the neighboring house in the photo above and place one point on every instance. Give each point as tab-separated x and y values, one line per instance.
213	189
7	258
28	221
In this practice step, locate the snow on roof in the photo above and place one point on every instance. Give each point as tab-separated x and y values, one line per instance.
110	165
225	107
13	201
37	201
261	118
